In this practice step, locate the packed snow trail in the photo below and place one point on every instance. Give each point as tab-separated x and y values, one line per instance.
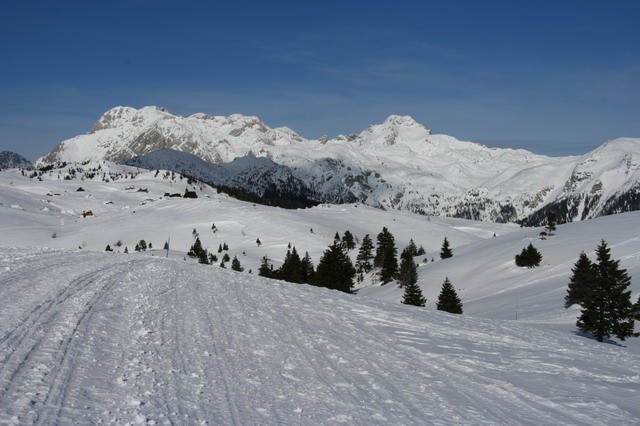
94	337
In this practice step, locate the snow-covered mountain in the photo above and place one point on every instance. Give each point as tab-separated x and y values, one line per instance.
398	164
10	160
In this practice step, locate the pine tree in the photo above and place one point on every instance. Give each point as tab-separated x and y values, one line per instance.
266	269
607	309
348	240
413	295
196	249
411	249
226	258
551	223
448	299
581	282
365	256
166	245
445	251
335	269
235	264
307	268
291	269
421	251
258	242
385	257
126	249
408	273
108	248
530	257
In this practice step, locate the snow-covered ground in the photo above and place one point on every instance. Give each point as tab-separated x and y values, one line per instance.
88	336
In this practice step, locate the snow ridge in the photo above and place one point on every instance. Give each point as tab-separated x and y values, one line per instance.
398	164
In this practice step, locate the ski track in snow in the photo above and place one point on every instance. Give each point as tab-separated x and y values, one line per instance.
92	338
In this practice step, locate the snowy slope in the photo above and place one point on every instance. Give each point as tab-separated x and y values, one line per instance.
92	337
398	164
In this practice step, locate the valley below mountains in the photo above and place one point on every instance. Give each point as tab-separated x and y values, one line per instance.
396	165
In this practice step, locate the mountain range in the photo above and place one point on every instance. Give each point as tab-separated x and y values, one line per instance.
398	164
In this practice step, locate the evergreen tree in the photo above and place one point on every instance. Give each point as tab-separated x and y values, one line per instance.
607	310
413	295
196	249
530	257
108	248
385	257
445	251
307	268
226	258
348	240
365	256
551	223
258	242
291	269
235	264
408	273
166	245
225	246
335	269
336	238
411	249
219	248
448	299
266	269
581	282
421	251
126	249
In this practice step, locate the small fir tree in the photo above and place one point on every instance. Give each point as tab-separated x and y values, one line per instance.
335	269
126	249
258	242
413	295
385	257
581	282
607	309
448	299
445	251
408	273
365	256
226	258
348	240
307	268
530	257
108	248
266	269
235	264
551	223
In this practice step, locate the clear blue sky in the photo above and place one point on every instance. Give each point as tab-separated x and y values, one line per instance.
555	77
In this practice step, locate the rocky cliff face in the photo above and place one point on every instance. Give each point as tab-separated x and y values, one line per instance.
10	160
398	164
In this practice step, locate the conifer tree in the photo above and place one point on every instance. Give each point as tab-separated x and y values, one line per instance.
448	299
108	248
335	269
365	256
551	223
421	251
408	273
530	257
445	251
258	242
266	269
411	249
385	257
348	240
307	268
413	295
195	249
291	269
226	258
126	249
166	245
581	282
607	310
235	264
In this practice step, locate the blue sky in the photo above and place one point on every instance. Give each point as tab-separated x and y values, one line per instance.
554	77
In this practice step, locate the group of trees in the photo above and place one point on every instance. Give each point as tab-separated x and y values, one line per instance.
530	257
200	253
601	288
